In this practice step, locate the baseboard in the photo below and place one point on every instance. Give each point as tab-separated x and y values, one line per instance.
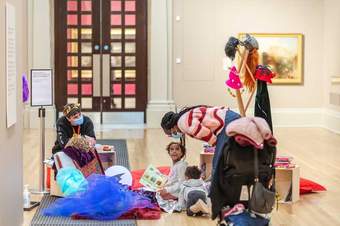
331	120
306	117
293	117
282	117
155	111
116	118
297	117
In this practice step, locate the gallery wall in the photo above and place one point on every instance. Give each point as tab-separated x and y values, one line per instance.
11	202
195	31
331	64
204	28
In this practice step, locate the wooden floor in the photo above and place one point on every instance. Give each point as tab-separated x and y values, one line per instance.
315	150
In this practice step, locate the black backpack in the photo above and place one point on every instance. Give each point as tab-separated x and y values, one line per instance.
235	169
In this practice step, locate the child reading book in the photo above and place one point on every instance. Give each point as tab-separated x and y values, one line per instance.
168	194
176	176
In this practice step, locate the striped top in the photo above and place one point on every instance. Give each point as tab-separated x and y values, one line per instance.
203	123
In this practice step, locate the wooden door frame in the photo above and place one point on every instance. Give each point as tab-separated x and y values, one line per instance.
60	25
142	54
60	49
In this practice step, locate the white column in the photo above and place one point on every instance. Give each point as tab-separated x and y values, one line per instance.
40	52
41	32
160	62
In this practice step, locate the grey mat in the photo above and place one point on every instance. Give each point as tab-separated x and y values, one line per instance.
121	151
39	220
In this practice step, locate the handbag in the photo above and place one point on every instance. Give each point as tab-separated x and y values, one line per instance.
262	199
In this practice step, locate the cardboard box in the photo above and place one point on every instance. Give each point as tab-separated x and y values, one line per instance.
107	158
206	164
288	184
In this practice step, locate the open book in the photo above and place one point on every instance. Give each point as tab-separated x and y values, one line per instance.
153	179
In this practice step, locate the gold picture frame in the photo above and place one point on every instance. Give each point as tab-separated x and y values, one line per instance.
283	52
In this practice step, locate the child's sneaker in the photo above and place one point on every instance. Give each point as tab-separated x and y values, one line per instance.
200	206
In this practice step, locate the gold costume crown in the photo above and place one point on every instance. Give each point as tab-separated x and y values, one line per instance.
70	109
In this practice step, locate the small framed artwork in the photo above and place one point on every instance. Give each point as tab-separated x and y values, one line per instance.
283	53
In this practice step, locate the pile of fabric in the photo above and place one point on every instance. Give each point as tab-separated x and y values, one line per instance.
103	199
238	215
89	195
78	149
253	131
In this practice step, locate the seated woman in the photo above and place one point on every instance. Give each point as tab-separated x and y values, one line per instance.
73	122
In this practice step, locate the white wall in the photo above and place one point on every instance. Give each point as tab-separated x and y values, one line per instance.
205	26
201	29
11	202
331	62
198	39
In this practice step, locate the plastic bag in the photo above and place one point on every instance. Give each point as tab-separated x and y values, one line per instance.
25	89
105	199
71	180
247	219
168	206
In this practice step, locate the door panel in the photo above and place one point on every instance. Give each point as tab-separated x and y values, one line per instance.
100	54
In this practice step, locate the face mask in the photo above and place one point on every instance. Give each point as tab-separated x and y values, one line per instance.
78	121
177	135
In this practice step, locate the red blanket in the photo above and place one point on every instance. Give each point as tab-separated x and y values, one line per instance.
137	174
142	214
145	213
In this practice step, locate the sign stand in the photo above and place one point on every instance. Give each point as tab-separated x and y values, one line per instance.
41	95
42	185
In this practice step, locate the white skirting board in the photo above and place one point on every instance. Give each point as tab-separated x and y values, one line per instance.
297	117
155	111
331	120
285	117
282	117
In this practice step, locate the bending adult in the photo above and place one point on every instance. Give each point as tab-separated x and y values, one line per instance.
201	122
73	122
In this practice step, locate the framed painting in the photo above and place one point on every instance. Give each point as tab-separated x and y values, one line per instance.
283	53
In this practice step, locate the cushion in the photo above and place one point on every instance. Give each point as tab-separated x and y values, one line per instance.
308	186
137	174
